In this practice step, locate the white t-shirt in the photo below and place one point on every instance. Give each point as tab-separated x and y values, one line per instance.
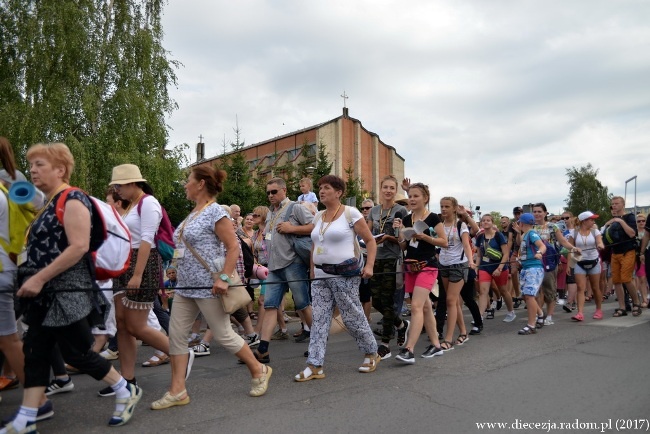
452	254
338	240
586	244
143	227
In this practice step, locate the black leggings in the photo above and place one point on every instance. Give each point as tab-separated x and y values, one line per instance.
467	294
75	342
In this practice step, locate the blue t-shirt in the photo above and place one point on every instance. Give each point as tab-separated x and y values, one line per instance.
528	249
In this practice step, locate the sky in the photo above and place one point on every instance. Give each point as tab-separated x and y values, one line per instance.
487	101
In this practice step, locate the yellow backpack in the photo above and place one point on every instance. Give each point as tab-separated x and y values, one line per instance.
20	217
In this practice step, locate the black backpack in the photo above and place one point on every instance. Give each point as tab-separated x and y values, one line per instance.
249	258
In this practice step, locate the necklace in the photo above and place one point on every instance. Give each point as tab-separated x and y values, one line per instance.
323	227
40	212
189	219
382	224
132	204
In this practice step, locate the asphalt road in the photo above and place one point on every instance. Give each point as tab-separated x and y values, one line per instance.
574	373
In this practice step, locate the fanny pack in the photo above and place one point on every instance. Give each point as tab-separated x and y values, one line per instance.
348	268
588	265
413	265
493	254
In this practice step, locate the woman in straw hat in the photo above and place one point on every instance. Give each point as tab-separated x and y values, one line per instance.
144	276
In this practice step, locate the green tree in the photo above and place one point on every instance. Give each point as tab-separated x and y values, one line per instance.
92	74
587	193
353	186
323	164
238	187
496	216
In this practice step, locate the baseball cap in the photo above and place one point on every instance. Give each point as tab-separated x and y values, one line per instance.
587	215
527	219
517	209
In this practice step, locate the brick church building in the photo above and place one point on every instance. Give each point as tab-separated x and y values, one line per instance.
347	142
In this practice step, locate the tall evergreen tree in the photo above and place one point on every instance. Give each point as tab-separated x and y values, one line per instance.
92	74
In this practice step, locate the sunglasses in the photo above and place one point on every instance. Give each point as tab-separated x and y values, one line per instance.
640	221
366	208
255	216
271	192
565	218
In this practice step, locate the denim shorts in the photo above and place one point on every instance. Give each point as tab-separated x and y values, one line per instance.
293	277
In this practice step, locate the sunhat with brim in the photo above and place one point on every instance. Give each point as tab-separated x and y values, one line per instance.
126	174
401	199
587	215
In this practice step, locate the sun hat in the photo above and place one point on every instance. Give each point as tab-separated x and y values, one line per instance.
401	199
527	219
587	215
126	174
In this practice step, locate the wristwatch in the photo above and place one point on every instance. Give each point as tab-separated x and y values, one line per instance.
224	277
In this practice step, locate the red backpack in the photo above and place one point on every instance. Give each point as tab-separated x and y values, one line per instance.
110	239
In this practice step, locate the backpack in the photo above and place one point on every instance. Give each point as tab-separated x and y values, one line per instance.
164	238
20	217
551	257
301	243
110	239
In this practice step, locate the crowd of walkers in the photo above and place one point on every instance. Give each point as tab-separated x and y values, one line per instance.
337	263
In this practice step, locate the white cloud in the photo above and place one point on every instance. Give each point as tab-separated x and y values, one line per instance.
487	101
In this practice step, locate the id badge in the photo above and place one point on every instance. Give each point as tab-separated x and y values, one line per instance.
268	237
179	253
22	258
320	250
486	259
414	243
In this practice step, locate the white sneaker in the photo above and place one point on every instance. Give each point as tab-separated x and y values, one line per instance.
510	317
548	322
110	355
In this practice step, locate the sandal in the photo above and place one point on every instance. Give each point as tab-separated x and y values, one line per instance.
310	373
169	400
636	310
527	330
261	384
619	312
446	346
461	339
644	305
370	363
156	360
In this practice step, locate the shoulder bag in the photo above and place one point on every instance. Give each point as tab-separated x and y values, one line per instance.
237	295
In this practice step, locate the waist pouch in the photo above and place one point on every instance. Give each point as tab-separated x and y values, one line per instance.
413	265
588	265
348	268
493	254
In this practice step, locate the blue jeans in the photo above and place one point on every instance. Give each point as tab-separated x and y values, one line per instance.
276	286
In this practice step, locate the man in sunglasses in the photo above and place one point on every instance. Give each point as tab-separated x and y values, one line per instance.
286	270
